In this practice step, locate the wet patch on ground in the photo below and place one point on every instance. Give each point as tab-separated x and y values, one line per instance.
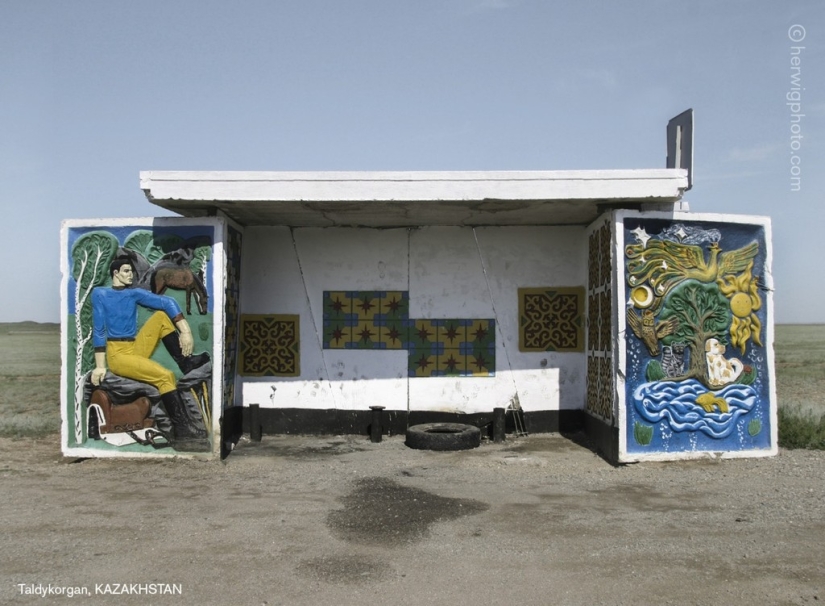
381	511
352	569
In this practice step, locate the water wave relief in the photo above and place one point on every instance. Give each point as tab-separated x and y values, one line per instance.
676	403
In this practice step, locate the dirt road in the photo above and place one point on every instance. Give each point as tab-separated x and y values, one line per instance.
311	521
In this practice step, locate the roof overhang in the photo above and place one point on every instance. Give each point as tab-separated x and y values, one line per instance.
409	199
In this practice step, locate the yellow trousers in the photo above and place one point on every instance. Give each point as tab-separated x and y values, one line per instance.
131	359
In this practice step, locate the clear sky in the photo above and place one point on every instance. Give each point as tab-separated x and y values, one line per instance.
92	92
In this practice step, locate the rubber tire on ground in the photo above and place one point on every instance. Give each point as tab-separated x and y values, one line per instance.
443	436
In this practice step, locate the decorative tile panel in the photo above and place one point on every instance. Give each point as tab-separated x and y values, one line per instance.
423	334
592	399
482	362
270	346
365	319
605	338
605	400
593	321
599	400
339	320
392	319
232	297
593	266
551	319
452	347
605	243
380	320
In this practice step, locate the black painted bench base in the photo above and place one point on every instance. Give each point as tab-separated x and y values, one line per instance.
255	421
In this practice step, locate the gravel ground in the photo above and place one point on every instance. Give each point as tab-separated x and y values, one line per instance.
307	521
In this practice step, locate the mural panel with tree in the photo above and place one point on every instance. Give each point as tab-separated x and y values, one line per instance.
697	369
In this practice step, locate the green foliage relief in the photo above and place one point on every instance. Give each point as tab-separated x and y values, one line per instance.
703	312
643	434
152	247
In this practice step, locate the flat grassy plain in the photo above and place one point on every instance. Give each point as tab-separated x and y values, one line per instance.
799	351
30	381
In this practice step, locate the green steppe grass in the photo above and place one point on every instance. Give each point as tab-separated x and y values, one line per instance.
29	379
799	352
30	382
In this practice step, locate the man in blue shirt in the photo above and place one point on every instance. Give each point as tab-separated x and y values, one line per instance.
127	350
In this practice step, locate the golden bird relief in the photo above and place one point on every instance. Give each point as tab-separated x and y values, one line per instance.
650	331
663	264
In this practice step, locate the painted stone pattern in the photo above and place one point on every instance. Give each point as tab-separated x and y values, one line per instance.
600	377
551	319
380	320
137	302
697	374
270	345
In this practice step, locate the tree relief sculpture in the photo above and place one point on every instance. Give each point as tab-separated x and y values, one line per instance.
696	361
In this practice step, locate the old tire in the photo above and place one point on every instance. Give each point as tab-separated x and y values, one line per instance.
443	436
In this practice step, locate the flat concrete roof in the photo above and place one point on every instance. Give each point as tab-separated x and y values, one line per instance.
409	199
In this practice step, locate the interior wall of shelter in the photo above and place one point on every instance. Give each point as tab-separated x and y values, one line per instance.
452	319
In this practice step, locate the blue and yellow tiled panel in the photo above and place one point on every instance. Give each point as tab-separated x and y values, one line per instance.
422	345
365	319
339	321
358	319
392	319
451	347
480	348
365	308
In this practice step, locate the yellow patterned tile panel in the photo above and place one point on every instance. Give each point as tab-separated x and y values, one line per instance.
270	345
551	319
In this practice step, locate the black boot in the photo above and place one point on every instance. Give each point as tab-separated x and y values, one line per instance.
186	363
186	434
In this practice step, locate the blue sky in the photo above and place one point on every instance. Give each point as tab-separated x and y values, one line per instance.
92	92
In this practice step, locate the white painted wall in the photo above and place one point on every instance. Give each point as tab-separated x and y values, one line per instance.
525	257
450	272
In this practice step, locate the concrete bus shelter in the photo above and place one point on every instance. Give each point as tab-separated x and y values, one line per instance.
576	300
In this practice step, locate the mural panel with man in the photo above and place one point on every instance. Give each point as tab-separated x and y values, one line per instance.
139	364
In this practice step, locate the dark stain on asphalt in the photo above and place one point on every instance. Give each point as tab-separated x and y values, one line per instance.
381	511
